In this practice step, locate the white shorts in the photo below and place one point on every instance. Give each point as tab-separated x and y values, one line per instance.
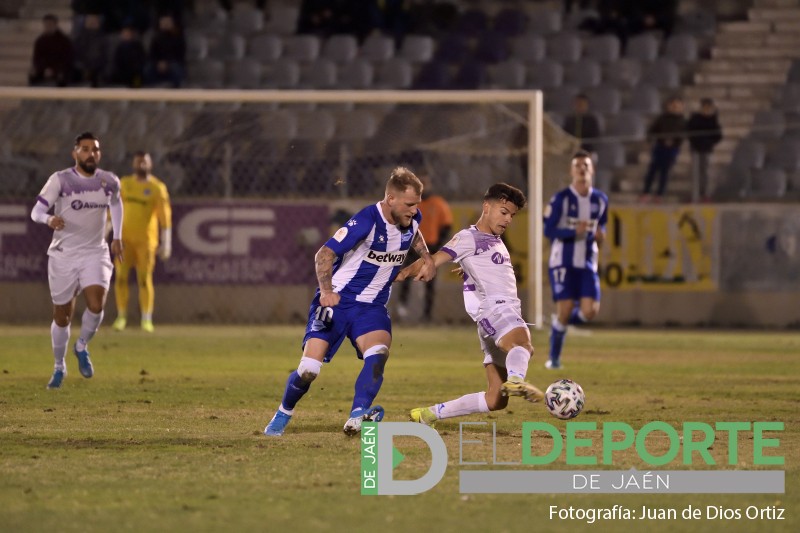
493	325
67	276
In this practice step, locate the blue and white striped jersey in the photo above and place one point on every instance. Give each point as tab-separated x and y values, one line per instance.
370	252
561	216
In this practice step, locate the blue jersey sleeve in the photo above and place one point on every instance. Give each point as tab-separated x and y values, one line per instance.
552	216
353	232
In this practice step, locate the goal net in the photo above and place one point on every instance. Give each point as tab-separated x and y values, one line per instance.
259	179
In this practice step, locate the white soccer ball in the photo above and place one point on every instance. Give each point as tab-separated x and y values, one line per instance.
564	399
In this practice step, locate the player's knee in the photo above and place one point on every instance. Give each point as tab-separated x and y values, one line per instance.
590	311
381	353
309	369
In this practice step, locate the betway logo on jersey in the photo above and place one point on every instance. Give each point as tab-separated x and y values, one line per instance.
385	258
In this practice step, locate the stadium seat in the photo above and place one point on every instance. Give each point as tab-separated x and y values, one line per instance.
624	73
604	99
565	47
170	124
340	48
377	48
546	75
602	48
301	47
662	73
560	99
681	48
698	21
785	156
627	126
282	74
316	125
265	47
357	74
243	74
768	124
507	75
610	155
396	73
417	48
583	73
321	74
643	47
510	22
528	48
196	46
358	124
767	184
228	46
97	121
645	99
545	22
209	74
283	18
245	19
433	76
749	154
278	125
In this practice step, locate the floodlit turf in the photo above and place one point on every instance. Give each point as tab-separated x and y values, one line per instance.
167	435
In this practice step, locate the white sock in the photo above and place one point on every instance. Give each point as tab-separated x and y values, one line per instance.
558	326
285	411
517	361
60	339
90	322
147	316
466	405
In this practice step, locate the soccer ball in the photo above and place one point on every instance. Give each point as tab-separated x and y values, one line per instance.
564	399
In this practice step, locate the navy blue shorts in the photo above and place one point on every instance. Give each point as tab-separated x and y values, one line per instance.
348	319
569	283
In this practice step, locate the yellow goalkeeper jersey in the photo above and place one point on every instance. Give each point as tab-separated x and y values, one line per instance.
146	207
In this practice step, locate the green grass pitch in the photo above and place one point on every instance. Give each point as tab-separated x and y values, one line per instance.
167	435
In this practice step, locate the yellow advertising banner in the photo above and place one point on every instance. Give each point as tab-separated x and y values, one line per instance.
661	248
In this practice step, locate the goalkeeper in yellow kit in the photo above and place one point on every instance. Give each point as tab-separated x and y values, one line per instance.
146	209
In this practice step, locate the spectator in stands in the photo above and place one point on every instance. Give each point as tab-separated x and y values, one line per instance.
129	59
666	133
654	15
328	17
582	123
227	5
167	54
53	55
704	133
614	16
437	221
91	50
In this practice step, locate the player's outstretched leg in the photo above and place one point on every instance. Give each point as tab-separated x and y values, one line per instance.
59	337
367	386
298	383
517	367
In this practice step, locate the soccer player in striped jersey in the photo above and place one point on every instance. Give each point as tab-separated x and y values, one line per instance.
147	209
490	298
575	222
80	198
355	270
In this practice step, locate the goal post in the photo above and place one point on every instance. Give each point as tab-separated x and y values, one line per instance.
467	137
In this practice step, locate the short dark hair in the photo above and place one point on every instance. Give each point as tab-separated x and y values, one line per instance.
401	179
84	136
504	191
139	153
580	154
706	101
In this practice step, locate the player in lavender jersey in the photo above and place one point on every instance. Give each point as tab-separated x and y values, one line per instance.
355	270
80	198
490	298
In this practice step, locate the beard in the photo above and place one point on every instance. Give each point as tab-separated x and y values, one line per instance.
88	166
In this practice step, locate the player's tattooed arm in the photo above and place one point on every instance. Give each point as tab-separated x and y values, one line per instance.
428	269
323	264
